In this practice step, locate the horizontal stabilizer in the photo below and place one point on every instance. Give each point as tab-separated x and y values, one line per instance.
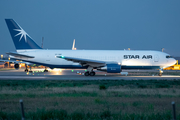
19	55
12	61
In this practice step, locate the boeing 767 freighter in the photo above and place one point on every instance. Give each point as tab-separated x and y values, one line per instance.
111	61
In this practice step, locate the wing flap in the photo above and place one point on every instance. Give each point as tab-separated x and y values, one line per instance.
84	62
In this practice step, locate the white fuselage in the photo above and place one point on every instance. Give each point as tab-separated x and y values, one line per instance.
128	59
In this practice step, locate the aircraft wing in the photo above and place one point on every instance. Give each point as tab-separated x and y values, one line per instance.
15	54
84	62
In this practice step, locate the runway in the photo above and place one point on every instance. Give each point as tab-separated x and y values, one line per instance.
59	74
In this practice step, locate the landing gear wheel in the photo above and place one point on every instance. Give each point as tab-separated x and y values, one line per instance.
45	70
26	70
160	74
92	73
30	70
86	73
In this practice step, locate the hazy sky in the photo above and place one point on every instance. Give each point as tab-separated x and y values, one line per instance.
95	24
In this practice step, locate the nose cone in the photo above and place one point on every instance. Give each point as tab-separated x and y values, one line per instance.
173	61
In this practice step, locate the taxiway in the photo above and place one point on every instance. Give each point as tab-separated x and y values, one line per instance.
59	74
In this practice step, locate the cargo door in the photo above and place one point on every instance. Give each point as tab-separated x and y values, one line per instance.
47	59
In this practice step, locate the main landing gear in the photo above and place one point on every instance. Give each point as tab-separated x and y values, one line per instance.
26	69
90	72
45	70
30	70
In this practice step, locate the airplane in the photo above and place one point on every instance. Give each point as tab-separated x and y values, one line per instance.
110	61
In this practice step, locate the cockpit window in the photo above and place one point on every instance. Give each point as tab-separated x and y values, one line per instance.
169	56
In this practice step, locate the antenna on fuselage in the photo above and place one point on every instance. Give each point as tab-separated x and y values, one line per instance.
162	49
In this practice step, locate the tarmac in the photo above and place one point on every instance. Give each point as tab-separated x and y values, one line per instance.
59	74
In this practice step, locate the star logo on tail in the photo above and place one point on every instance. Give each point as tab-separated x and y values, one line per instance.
22	33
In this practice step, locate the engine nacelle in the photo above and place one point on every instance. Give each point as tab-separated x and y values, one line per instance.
111	68
16	66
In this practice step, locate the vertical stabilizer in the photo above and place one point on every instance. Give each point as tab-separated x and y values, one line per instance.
20	38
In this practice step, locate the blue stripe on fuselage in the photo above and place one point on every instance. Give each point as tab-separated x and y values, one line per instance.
85	67
140	67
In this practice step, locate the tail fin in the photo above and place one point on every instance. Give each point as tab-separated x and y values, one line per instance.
20	38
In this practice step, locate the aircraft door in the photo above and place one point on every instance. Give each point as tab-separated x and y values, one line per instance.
156	58
47	59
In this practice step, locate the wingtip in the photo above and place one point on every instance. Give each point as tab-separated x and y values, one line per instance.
60	57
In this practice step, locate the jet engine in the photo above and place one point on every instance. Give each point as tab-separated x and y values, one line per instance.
111	68
16	66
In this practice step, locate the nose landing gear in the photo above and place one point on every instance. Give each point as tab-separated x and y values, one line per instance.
160	72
